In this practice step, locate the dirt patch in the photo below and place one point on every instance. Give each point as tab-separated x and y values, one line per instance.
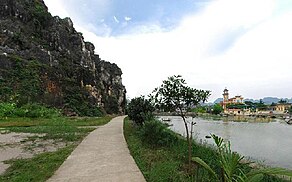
24	145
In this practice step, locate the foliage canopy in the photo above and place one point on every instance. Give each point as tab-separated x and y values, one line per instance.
217	109
140	109
175	94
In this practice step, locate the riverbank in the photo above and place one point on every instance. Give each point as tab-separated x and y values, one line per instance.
268	142
168	163
238	118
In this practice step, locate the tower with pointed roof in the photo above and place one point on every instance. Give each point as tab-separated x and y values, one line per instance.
225	95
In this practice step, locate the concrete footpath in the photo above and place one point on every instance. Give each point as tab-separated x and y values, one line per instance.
102	156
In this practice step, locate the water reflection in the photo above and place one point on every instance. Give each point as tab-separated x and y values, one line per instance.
267	141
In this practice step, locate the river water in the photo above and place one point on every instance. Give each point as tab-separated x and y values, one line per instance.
269	143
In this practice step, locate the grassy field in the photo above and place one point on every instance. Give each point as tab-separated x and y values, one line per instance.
168	163
42	166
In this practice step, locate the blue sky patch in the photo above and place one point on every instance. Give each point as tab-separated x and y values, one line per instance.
117	17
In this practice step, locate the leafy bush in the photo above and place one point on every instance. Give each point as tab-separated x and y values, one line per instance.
217	109
35	110
6	109
32	110
157	134
199	109
139	110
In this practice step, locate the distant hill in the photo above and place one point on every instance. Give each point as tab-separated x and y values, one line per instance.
218	100
270	100
266	100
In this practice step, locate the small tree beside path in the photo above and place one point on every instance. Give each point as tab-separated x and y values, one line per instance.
175	95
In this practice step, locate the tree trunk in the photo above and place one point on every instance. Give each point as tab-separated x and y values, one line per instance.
188	139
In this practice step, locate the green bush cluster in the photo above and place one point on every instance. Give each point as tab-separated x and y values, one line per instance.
217	109
140	109
31	110
6	109
155	133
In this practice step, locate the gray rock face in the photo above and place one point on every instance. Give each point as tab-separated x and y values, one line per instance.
44	59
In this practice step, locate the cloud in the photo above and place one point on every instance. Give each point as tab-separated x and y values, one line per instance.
127	18
90	14
116	20
56	8
243	45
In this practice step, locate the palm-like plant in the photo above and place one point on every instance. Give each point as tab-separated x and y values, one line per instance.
230	166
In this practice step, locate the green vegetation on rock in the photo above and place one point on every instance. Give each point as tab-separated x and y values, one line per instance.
44	60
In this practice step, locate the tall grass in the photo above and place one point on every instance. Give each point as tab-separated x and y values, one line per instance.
161	162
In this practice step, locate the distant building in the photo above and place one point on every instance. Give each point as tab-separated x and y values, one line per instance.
234	100
280	108
236	106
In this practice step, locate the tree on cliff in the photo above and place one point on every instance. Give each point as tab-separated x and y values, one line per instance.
175	95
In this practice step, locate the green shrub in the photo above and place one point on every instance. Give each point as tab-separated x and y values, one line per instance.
6	109
157	134
217	109
139	110
31	110
35	110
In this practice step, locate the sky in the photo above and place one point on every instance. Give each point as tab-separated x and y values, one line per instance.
242	45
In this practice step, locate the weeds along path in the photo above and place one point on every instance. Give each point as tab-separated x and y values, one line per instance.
102	156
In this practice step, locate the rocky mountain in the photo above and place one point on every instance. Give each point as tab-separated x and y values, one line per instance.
44	59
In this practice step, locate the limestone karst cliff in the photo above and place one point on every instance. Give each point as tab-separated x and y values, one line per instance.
44	59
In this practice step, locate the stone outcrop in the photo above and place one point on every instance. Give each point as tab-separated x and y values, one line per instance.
44	59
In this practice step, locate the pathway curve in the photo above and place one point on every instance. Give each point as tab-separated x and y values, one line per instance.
102	156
